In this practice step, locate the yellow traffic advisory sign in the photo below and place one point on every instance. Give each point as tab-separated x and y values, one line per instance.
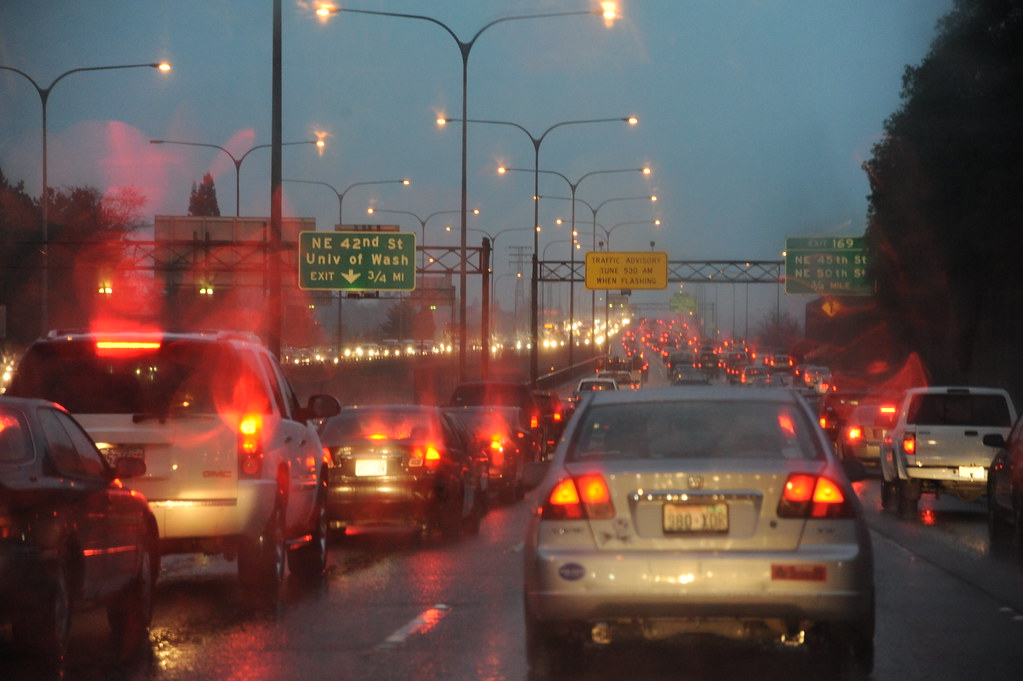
627	270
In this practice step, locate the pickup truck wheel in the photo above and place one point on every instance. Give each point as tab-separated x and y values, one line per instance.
907	497
261	559
887	495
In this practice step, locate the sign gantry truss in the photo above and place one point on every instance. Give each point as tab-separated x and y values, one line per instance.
689	271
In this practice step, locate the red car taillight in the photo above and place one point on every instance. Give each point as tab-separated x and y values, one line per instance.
813	496
580	498
250	446
854	433
426	456
909	443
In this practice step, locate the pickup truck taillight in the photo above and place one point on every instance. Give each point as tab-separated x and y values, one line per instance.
909	443
250	446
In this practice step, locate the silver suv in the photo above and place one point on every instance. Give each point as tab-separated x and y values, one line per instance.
936	445
232	464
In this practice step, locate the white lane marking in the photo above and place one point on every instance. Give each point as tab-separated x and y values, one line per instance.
421	624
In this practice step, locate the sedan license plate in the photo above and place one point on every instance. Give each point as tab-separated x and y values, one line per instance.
695	518
978	473
370	467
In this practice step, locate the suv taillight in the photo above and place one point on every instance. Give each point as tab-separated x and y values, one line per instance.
909	443
250	446
585	497
813	496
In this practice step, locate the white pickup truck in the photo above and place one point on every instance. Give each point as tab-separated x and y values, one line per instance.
936	445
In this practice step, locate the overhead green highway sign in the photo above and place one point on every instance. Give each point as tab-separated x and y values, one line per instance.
827	265
357	261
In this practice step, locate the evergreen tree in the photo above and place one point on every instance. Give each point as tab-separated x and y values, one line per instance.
203	199
945	208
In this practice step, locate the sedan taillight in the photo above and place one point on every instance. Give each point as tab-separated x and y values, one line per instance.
813	496
585	497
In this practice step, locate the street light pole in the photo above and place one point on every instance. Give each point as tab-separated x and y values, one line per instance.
44	98
594	211
465	48
341	194
573	186
534	309
237	160
608	232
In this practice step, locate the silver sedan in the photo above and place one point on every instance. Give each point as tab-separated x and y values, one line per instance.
708	511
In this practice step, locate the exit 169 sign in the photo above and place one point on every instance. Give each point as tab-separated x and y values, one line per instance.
357	261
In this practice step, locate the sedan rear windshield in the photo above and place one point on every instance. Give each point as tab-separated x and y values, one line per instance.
959	410
359	426
691	429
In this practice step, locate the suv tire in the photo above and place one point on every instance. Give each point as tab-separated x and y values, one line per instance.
261	559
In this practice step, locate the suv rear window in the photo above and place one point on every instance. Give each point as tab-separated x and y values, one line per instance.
959	410
178	377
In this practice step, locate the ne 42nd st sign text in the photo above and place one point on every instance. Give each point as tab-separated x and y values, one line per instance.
357	261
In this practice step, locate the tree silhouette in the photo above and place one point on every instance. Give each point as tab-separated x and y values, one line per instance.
203	200
945	208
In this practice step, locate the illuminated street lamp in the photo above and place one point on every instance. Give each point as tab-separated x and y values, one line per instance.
535	279
608	232
593	294
609	14
238	160
422	220
573	186
341	194
44	98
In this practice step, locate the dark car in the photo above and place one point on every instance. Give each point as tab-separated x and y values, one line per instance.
1005	490
401	465
687	374
554	416
504	394
835	407
864	431
495	435
70	532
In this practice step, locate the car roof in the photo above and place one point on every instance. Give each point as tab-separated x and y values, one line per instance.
221	336
694	394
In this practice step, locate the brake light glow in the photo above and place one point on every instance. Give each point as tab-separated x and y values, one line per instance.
580	498
813	496
909	443
112	348
250	445
425	455
854	433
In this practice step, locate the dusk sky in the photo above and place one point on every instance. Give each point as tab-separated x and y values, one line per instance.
755	115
